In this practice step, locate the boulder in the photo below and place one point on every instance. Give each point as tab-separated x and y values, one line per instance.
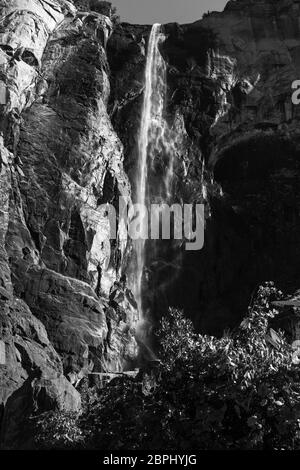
34	397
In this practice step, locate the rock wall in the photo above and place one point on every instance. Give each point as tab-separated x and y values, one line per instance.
61	161
254	149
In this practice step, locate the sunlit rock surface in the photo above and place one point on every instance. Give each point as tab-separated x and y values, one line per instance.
60	161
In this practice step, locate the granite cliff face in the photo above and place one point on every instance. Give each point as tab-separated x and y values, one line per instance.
254	143
60	160
255	139
71	85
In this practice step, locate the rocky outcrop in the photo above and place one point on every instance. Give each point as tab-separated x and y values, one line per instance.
61	161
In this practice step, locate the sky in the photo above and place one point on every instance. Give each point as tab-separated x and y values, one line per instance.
165	11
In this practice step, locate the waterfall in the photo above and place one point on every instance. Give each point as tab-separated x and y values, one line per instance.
151	132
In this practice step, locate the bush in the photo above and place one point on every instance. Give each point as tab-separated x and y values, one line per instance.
238	392
58	430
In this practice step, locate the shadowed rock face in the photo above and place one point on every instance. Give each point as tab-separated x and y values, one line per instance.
255	140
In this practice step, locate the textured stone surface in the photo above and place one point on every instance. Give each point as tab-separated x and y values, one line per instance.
71	162
60	160
260	42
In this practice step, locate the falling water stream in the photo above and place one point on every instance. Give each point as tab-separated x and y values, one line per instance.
151	132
